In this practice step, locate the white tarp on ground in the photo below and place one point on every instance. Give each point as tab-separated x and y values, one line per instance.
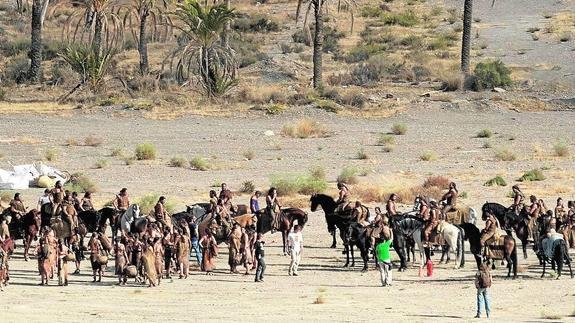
23	176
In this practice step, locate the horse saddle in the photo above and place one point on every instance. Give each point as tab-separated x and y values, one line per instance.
455	217
436	238
495	247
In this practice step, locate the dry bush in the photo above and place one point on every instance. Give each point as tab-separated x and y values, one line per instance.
25	140
249	154
532	176
178	161
263	95
304	128
485	133
129	160
451	80
248	187
428	156
385	139
145	151
362	155
80	183
370	194
505	154
51	154
561	148
317	172
102	163
200	163
93	141
437	181
117	152
71	142
320	299
348	175
399	129
410	194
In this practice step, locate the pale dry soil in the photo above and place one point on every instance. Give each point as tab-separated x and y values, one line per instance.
345	294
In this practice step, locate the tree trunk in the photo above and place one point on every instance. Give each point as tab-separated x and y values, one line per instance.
466	39
317	44
35	53
143	45
97	42
227	29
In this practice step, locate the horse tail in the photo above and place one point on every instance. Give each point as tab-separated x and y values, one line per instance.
461	248
564	251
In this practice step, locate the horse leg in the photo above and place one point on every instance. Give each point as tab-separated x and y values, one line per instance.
352	256
333	244
346	250
364	255
284	233
524	246
27	243
544	265
477	260
559	266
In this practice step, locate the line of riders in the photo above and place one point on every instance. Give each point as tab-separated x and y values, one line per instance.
160	246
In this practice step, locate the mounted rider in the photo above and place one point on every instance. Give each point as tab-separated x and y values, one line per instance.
56	198
490	232
160	213
70	213
255	203
433	222
532	215
273	207
226	199
359	215
560	211
390	206
121	202
343	200
16	207
424	209
518	200
450	200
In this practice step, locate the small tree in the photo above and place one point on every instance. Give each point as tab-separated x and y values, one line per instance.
318	12
146	14
202	52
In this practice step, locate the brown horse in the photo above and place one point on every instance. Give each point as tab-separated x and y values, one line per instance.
287	217
25	228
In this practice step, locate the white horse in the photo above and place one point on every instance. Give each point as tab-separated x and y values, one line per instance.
453	237
128	217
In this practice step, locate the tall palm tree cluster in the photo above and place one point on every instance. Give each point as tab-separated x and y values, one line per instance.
95	30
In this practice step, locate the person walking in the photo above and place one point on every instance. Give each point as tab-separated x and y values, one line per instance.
384	261
483	282
194	238
295	248
260	253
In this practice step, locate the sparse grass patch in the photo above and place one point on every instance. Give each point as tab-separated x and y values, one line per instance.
399	129
406	18
302	184
117	152
561	148
80	183
387	148
487	145
179	161
385	139
496	181
249	154
304	128
317	172
93	141
437	181
145	151
428	156
51	154
102	163
505	154
348	175
361	154
533	175
200	163
485	133
71	142
25	140
550	315
129	160
248	187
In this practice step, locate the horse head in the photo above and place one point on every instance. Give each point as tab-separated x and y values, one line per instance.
472	217
314	202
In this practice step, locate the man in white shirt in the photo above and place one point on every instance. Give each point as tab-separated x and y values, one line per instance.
44	199
295	247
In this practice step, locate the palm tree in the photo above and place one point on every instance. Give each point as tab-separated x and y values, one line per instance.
36	40
96	22
140	11
202	51
466	38
318	8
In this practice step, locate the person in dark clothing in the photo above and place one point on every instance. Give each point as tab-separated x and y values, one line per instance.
260	253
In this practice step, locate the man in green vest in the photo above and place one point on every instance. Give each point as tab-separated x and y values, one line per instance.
384	260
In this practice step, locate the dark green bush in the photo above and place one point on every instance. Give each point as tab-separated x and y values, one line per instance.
491	74
331	37
256	23
406	18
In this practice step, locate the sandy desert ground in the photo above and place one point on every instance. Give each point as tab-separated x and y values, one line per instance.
345	294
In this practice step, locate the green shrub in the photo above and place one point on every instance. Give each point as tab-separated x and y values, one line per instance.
463	195
317	172
406	18
496	181
80	183
561	148
485	133
129	160
145	151
93	141
361	154
275	108
102	163
532	176
51	154
371	12
348	175
248	187
385	139
505	154
256	23
199	163
363	52
491	74
15	69
428	156
148	202
399	129
179	162
303	184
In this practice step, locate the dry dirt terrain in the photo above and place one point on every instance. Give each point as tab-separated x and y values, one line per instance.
343	294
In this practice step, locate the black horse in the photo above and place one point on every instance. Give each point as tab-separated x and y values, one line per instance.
560	255
403	226
508	221
356	235
329	205
473	235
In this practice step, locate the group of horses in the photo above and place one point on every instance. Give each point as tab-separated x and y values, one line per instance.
408	230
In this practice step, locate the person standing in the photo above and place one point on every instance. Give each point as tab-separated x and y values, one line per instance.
254	202
194	240
384	260
44	199
209	251
260	253
295	248
483	282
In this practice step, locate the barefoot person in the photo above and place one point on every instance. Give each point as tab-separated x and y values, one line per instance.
209	251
